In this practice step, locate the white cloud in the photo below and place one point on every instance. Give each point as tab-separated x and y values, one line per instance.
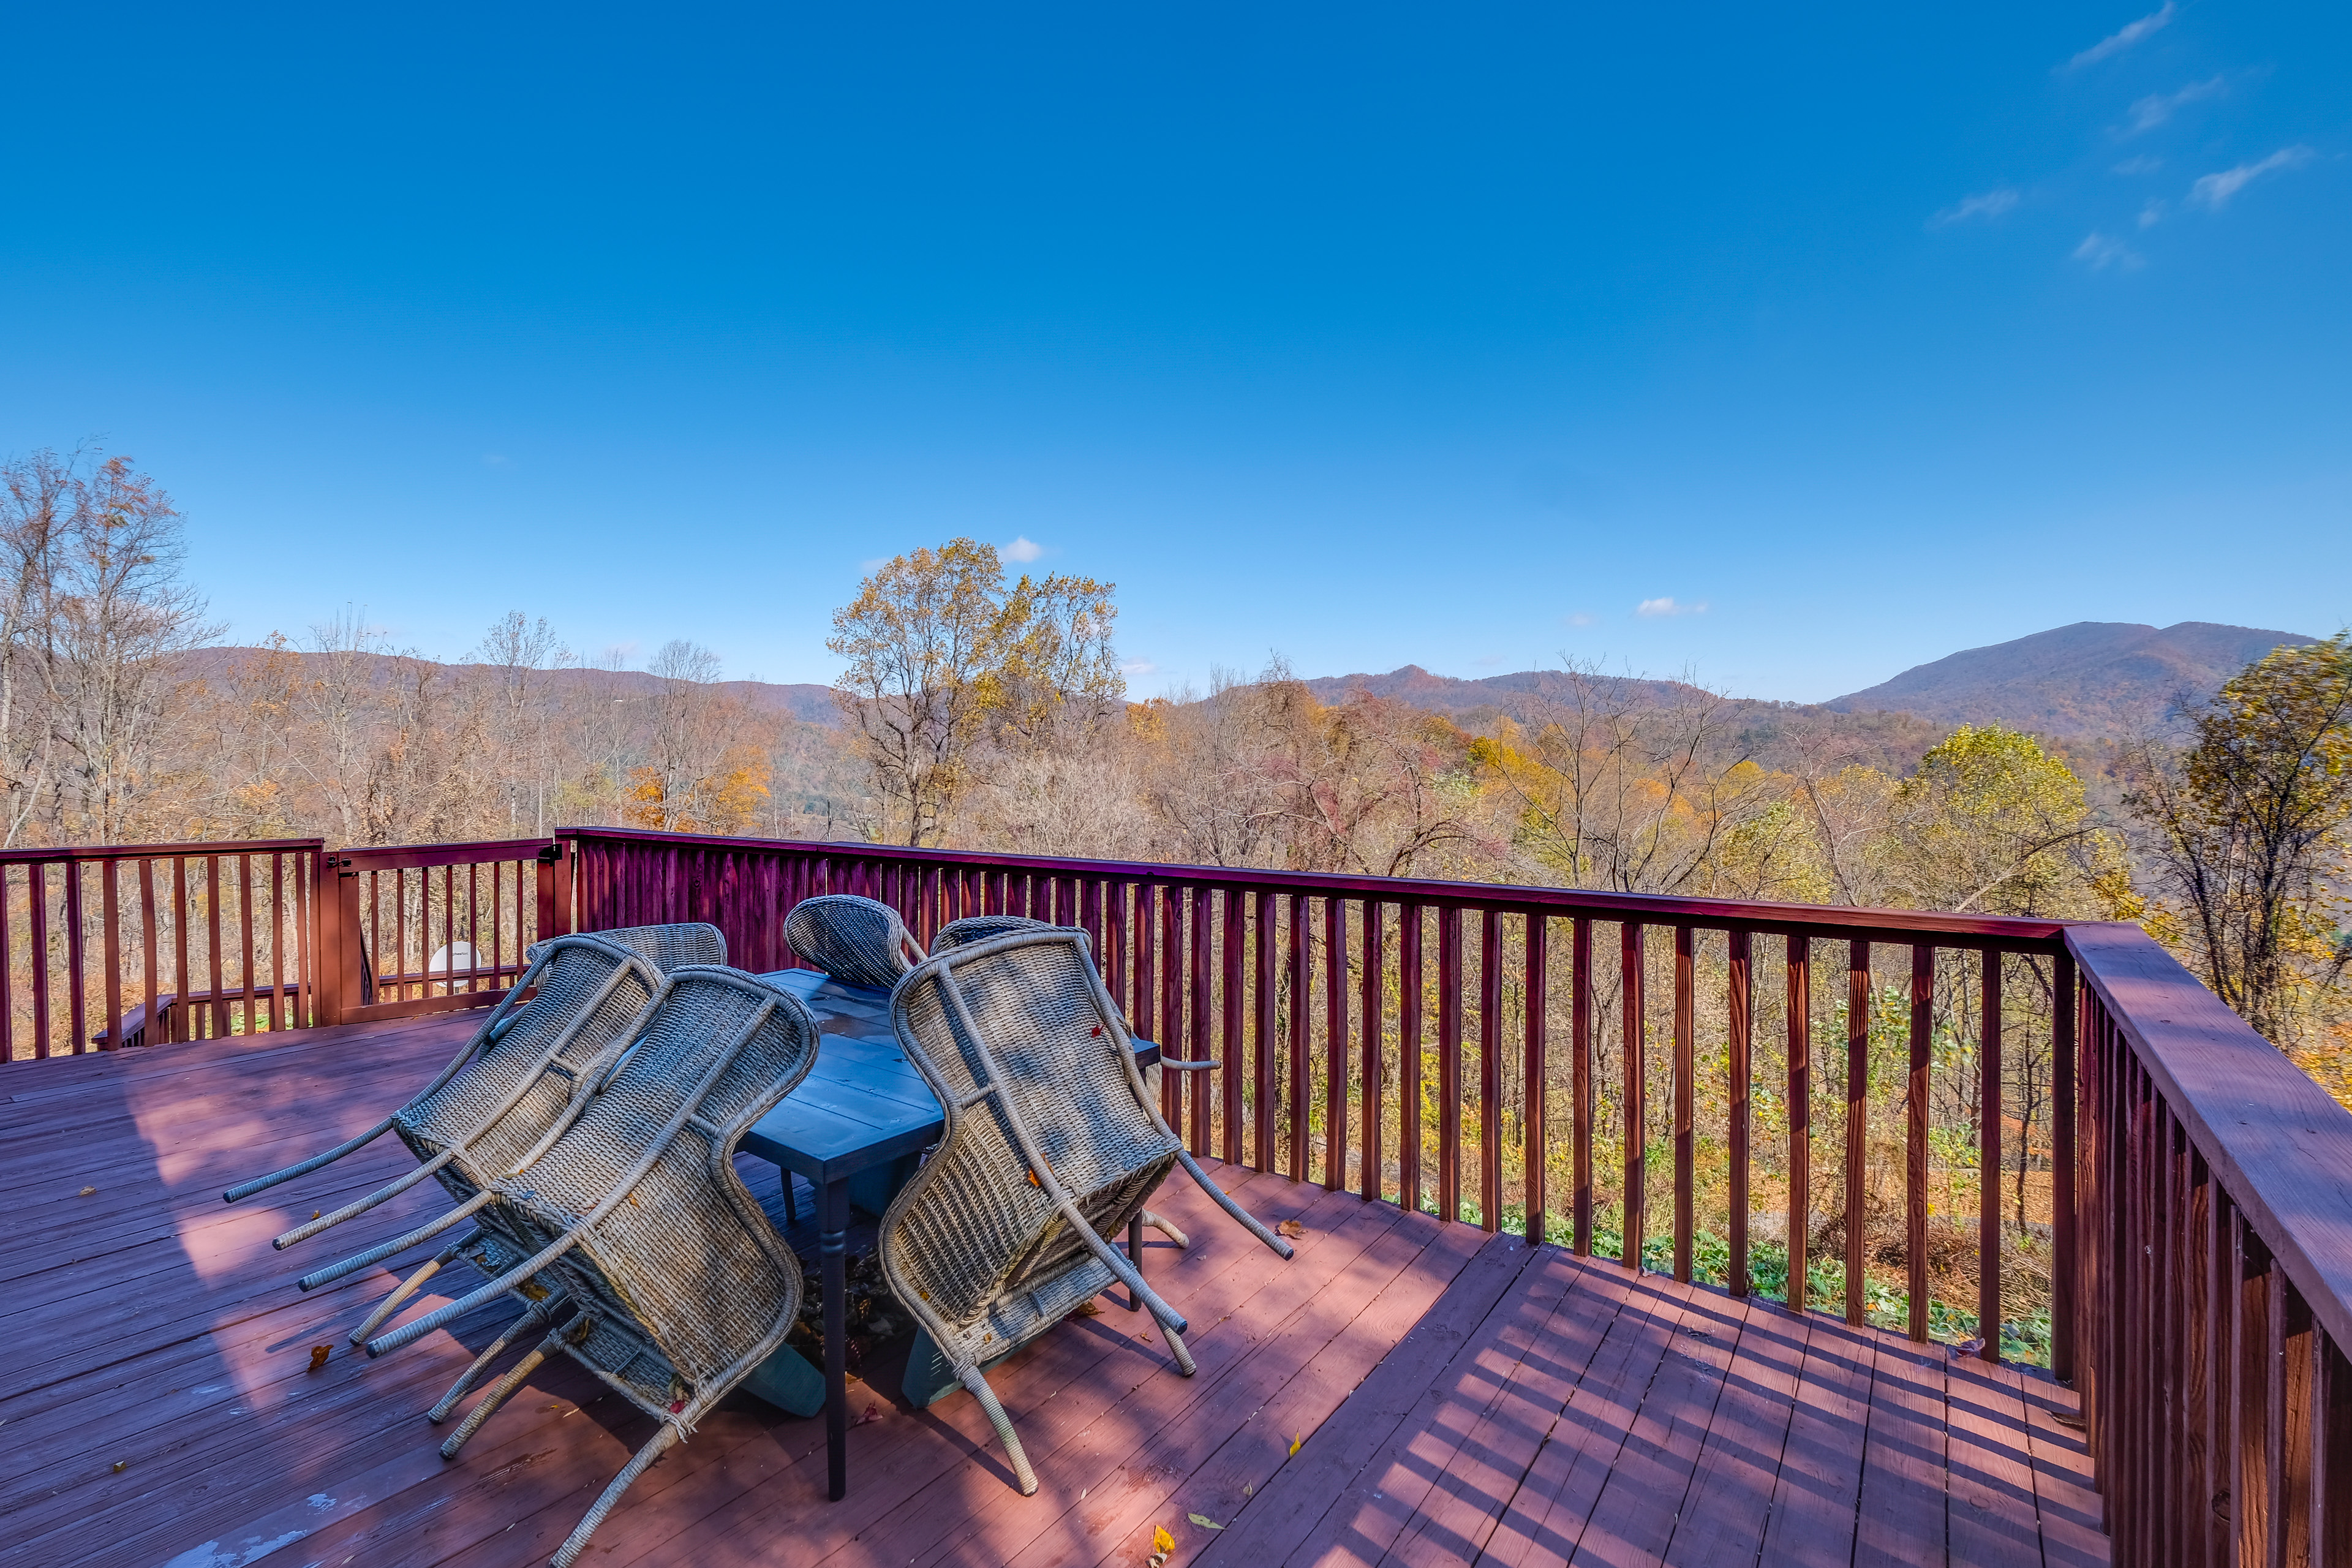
2213	191
1580	618
2100	251
1668	606
2143	164
2152	214
2159	107
1987	205
2129	34
1024	549
1138	667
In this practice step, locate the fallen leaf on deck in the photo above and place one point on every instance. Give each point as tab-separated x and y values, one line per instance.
873	1413
1162	1544
316	1213
319	1354
1089	1308
1290	1228
1296	1440
1205	1522
85	1192
1248	1488
120	1465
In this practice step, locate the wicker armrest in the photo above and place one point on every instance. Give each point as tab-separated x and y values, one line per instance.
1186	1067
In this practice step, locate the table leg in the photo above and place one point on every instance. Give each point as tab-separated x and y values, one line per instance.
1135	1257
832	1225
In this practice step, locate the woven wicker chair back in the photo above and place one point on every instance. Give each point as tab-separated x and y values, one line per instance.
669	947
858	942
974	929
972	1225
540	1054
688	1281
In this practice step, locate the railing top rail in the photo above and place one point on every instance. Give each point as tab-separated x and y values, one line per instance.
160	851
388	857
2274	1139
1805	919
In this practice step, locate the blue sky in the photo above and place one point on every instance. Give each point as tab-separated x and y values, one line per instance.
1835	340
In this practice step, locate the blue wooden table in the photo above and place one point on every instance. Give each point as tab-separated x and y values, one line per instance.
856	1129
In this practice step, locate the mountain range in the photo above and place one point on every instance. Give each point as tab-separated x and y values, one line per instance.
2091	682
2094	681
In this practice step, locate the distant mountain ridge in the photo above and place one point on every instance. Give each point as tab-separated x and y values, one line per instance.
2093	679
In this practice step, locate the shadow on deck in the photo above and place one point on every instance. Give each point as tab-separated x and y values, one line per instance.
1403	1391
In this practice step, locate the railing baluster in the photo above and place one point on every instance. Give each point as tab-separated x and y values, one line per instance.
1800	1117
148	934
1409	977
183	1016
77	961
1989	1118
1857	1123
1335	1043
7	972
1203	1015
2065	1306
1533	1143
1449	1062
1579	1085
1145	1018
1373	1073
1302	992
1636	1107
1685	1092
1236	1068
1741	1008
1172	990
1915	1142
1265	910
109	906
1490	1070
37	911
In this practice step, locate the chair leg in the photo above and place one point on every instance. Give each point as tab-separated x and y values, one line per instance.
1176	1348
577	1542
1027	1478
1249	1221
398	1244
541	1311
407	1288
1165	1227
499	1392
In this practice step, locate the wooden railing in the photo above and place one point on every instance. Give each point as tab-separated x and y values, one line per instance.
432	928
1445	1046
146	943
2215	1208
1438	1044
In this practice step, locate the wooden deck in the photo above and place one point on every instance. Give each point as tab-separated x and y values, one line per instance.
1402	1392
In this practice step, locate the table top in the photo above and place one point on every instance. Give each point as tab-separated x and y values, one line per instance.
863	1104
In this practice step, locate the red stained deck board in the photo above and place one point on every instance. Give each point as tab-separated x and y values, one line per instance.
1819	1487
1901	1515
1723	1517
1314	1506
1526	1401
1239	1436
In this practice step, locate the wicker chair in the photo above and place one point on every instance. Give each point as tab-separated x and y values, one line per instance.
682	1284
1052	1142
973	928
858	942
506	1089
